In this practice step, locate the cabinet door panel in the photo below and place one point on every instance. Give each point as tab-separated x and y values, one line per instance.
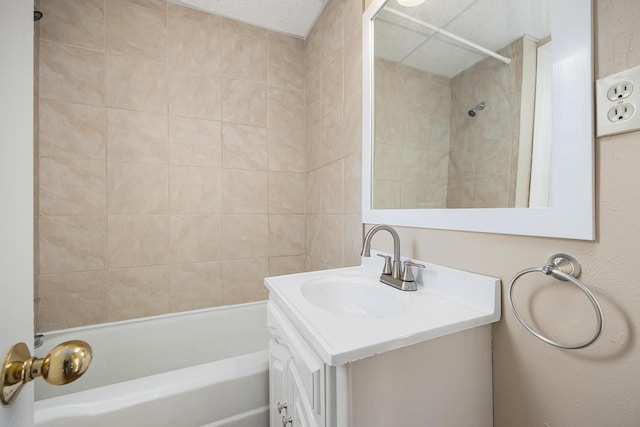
307	364
279	394
301	411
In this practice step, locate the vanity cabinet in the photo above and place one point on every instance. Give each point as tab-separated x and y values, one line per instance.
349	351
442	382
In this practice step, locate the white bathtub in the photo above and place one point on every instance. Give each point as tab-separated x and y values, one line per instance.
200	368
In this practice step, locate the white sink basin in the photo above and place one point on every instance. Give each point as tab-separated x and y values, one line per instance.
353	297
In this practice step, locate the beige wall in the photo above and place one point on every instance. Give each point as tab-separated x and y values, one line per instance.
333	132
411	133
483	155
171	160
536	384
429	153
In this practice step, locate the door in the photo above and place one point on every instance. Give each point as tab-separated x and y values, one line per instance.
16	192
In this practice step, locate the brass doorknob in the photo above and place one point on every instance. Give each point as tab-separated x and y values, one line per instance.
64	364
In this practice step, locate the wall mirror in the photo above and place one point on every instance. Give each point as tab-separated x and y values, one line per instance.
477	115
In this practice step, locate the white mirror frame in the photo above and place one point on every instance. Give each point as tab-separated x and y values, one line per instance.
571	214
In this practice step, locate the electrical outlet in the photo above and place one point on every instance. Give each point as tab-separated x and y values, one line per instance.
617	102
620	112
620	91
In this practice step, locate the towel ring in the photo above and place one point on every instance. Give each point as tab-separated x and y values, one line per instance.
562	267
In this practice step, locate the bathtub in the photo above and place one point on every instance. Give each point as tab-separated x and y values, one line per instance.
199	368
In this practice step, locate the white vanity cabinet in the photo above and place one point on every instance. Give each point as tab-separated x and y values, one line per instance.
347	351
445	382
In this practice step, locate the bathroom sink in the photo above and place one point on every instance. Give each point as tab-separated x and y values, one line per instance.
346	314
354	297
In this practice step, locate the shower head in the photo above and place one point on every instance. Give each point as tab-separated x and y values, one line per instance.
474	110
37	15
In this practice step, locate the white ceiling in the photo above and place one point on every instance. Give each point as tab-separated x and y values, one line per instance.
492	24
294	17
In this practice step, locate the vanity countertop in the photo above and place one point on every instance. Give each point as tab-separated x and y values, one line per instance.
447	301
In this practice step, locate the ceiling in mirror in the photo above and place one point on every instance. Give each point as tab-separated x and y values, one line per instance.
402	36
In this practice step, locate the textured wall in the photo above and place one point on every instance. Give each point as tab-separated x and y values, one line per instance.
536	384
171	160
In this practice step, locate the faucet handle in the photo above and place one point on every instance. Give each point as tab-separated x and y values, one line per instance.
387	264
407	276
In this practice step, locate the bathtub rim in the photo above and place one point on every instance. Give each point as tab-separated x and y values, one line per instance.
96	326
210	334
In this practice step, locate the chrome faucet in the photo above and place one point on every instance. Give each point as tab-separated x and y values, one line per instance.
392	274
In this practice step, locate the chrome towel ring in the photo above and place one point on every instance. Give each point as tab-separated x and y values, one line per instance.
562	267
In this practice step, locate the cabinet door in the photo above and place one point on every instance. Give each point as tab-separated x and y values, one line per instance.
279	390
288	406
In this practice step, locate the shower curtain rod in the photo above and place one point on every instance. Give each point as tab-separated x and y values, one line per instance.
449	35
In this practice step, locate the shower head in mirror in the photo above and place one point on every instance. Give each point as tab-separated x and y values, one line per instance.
474	110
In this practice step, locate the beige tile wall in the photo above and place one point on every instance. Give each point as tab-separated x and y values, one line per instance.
483	155
429	153
411	134
333	136
171	159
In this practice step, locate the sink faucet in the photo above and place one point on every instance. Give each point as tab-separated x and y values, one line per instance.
394	275
366	249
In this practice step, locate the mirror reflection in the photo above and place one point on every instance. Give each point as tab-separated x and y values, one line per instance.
461	104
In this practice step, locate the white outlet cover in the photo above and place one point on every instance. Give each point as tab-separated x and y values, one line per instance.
605	124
